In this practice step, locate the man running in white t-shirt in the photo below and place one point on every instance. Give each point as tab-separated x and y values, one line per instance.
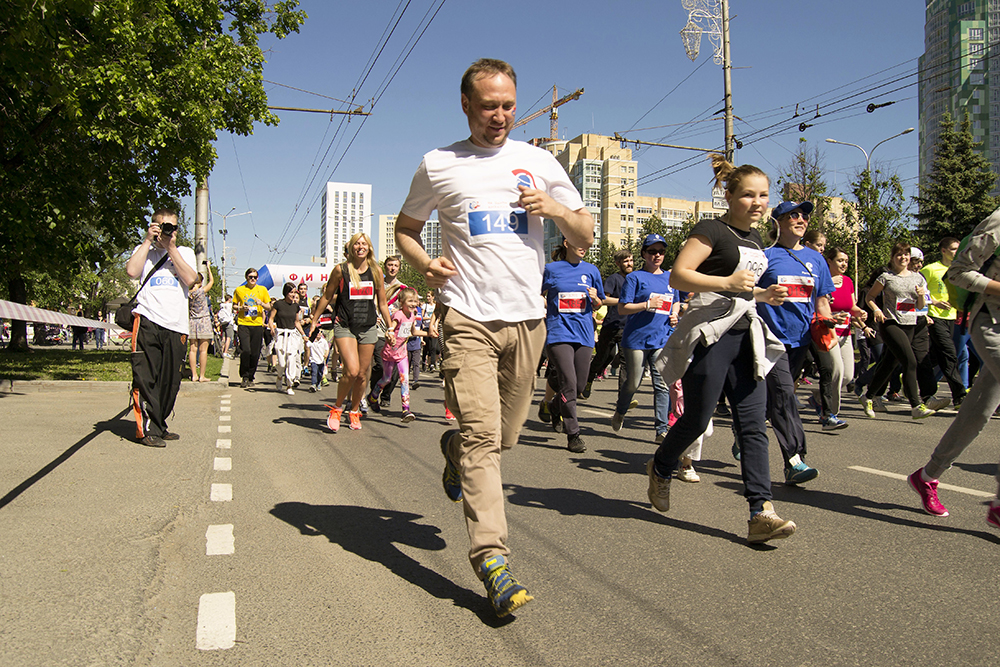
492	196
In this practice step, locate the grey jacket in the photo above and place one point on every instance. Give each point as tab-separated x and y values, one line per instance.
964	270
709	317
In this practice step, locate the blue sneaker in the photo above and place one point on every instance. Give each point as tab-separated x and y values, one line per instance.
833	423
502	588
799	473
452	478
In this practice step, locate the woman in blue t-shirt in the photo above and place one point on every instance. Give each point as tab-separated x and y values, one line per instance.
651	305
572	290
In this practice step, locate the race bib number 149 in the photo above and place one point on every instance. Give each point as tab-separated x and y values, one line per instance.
489	218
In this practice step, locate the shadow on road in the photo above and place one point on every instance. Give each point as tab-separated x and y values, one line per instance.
571	502
373	534
121	428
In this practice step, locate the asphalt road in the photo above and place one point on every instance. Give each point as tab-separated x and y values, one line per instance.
345	550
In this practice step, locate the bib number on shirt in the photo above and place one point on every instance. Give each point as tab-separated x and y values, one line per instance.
800	288
493	220
405	330
573	302
753	260
665	305
906	305
364	292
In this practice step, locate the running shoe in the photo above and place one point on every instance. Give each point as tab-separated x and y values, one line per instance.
543	412
290	391
766	525
355	419
921	412
634	404
503	590
833	423
659	489
928	493
893	397
878	404
722	410
587	390
452	478
448	416
659	437
558	425
373	403
687	474
993	516
312	388
364	406
324	381
617	420
736	450
936	403
799	473
407	417
333	419
868	406
575	444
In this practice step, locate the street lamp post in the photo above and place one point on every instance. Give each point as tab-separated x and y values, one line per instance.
711	18
224	231
868	174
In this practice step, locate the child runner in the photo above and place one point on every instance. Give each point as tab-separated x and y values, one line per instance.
318	349
402	324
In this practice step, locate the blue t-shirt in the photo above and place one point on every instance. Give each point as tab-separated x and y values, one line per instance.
613	287
648	330
413	342
569	314
807	276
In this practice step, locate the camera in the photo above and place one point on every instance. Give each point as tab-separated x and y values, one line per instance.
168	228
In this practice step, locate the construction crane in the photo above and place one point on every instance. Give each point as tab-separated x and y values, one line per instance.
554	117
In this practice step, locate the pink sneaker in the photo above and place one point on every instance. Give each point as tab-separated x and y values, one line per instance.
928	495
671	419
993	516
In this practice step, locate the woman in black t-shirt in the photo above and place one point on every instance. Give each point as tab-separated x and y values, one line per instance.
285	324
722	260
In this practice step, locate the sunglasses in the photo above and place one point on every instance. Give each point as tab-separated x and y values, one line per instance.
653	251
251	277
795	215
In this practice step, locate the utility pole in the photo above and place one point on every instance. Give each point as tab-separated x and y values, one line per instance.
727	67
201	227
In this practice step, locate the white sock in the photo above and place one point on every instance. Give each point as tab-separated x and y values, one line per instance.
924	476
794	461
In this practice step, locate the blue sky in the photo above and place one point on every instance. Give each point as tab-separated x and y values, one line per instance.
628	57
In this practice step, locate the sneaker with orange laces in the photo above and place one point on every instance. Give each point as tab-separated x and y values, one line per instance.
355	418
333	419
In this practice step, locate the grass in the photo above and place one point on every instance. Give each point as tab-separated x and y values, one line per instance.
62	363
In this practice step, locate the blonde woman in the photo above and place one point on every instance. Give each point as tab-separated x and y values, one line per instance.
357	291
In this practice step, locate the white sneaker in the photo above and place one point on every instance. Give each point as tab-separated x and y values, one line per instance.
290	392
937	403
687	474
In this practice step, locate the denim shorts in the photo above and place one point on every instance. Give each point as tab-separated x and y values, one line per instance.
364	335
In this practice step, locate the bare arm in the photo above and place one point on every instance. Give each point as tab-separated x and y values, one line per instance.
577	226
873	293
436	271
329	296
211	277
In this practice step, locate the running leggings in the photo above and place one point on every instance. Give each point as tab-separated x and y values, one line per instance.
898	339
570	363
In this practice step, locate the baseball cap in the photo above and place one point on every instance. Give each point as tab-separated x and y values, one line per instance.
651	239
916	253
789	206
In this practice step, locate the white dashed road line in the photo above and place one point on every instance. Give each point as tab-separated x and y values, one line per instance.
219	540
947	487
225	428
216	621
223	443
221	493
223	463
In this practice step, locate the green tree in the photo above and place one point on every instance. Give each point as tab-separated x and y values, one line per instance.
410	277
802	180
879	219
956	194
107	110
604	258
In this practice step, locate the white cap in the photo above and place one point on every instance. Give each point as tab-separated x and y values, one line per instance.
916	253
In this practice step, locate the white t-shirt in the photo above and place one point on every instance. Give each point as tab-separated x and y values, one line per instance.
497	247
164	299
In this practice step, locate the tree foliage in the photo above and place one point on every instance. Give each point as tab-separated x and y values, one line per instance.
107	109
802	179
879	218
956	194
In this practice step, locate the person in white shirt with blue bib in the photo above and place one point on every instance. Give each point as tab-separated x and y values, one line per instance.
492	196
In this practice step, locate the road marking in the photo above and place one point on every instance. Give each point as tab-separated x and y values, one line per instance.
947	487
221	493
216	621
219	540
225	418
223	443
225	401
225	429
596	413
225	408
226	396
223	463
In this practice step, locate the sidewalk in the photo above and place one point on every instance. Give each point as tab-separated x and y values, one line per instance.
8	386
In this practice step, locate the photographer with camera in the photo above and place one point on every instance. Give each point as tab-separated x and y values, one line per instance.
159	325
250	302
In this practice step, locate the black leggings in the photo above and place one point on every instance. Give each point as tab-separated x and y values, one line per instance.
898	339
568	365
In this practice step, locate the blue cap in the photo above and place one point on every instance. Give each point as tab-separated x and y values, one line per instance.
786	207
651	239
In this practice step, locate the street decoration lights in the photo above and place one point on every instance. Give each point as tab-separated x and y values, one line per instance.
711	18
224	231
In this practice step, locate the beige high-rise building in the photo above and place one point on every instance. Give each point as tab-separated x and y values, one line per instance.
385	237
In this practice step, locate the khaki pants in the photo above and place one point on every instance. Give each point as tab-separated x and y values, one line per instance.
489	371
